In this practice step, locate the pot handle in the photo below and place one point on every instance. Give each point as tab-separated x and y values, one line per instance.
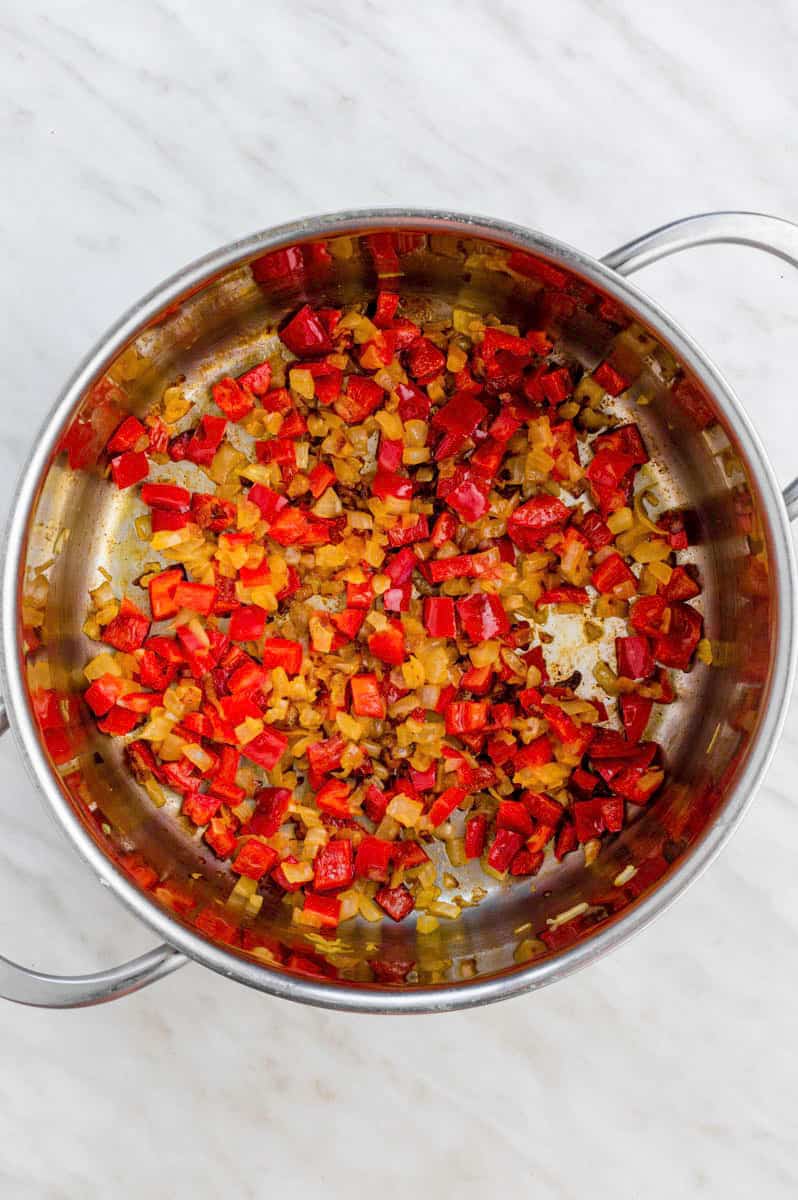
35	988
771	234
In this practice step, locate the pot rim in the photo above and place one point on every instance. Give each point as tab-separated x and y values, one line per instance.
443	997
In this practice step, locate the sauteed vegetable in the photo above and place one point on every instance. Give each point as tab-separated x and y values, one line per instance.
340	657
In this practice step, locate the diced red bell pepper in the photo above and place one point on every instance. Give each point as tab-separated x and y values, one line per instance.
305	335
129	468
542	808
388	645
375	803
271	806
506	845
325	909
477	680
360	595
320	479
563	595
119	721
608	743
390	453
140	702
405	535
254	859
281	652
220	836
677	647
482	616
257	379
268	501
362	397
414	405
557	385
212	512
475	833
373	859
536	754
612	574
128	630
391	483
611	380
592	817
637	784
565	840
609	474
367	699
597	531
399	567
467	494
526	862
680	586
425	361
101	695
624	439
532	522
161	520
634	657
635	715
439	618
267	748
466	716
200	808
234	400
198	597
385	309
333	797
445	804
650	615
129	432
512	814
205	440
280	878
247	623
396	902
333	866
167	496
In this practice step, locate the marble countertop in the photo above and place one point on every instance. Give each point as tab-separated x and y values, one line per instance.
136	137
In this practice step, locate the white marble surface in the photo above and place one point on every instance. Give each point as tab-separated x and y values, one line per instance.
134	137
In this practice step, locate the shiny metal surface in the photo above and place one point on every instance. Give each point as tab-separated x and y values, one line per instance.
215	317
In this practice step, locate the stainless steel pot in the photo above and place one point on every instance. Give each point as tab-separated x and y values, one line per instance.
210	318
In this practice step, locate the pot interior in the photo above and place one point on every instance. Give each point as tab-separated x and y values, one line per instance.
81	523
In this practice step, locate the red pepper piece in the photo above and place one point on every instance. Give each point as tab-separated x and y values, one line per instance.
396	902
363	396
158	434
167	496
205	441
634	657
324	757
608	743
399	567
477	680
348	622
212	512
677	647
542	808
333	797
257	379
610	475
268	501
566	840
635	715
373	859
650	615
367	699
512	814
305	335
390	453
375	803
333	866
391	483
320	479
326	909
482	617
536	754
101	696
254	859
414	405
466	716
588	818
613	574
129	432
526	862
597	532
405	535
220	836
475	832
506	845
557	385
279	876
160	519
247	623
637	784
271	806
198	597
293	426
119	721
267	748
680	586
563	595
445	804
128	630
282	652
439	618
385	309
461	415
140	702
611	380
467	494
532	522
234	400
200	808
360	595
388	645
425	361
624	439
129	468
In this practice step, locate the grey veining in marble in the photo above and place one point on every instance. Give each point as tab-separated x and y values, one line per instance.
132	139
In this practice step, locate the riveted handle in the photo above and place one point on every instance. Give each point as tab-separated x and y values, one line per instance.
771	234
40	990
